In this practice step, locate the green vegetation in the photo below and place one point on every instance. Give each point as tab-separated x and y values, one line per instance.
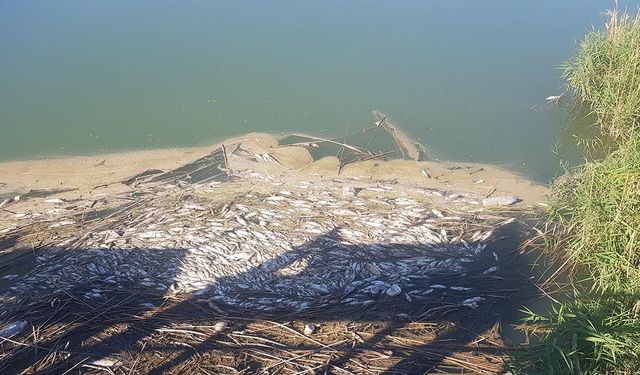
589	336
597	210
606	74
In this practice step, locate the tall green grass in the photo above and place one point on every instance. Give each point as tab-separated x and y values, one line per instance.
597	208
606	74
592	336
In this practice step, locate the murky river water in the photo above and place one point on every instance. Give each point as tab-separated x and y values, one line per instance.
467	78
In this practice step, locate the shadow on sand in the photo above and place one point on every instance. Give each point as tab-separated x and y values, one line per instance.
131	329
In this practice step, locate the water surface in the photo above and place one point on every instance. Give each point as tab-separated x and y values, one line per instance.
467	78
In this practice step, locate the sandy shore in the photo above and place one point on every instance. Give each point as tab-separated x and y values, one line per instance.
84	173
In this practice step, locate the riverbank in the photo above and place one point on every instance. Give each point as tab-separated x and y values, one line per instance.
86	174
369	266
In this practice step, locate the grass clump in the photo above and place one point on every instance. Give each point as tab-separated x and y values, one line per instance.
606	74
590	336
599	208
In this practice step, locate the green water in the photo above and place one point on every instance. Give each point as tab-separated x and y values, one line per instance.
467	78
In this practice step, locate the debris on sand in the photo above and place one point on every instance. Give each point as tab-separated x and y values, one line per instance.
238	239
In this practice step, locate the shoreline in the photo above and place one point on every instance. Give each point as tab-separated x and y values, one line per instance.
83	173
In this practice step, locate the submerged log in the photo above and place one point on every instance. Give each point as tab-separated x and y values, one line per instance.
407	146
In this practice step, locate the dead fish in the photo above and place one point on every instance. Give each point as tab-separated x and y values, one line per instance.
508	221
309	329
104	362
12	329
63	223
500	201
490	270
220	326
394	290
152	234
193	206
460	288
437	286
437	213
472	303
348	191
553	98
276	198
54	201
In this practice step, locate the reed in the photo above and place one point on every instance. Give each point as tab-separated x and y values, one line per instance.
589	336
594	221
606	74
595	216
599	209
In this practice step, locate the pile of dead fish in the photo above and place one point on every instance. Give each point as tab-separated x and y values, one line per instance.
289	249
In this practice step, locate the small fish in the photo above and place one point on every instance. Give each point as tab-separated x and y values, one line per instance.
309	329
220	326
472	300
460	288
63	223
472	303
437	286
12	329
196	207
490	270
500	201
553	98
152	234
54	201
105	362
394	290
241	220
437	213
